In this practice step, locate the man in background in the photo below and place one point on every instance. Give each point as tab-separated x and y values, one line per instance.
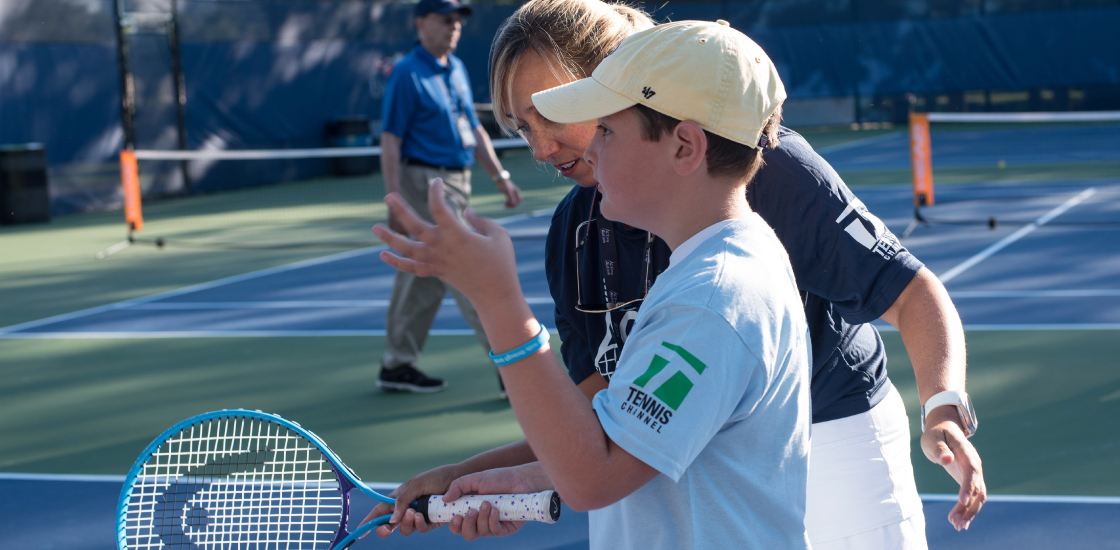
430	130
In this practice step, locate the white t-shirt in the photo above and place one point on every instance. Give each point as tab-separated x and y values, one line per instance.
712	390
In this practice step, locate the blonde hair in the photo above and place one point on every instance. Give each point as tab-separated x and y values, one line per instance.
572	36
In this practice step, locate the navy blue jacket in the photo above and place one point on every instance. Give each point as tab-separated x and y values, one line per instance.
849	267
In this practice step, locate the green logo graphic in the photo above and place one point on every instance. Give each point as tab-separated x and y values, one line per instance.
676	388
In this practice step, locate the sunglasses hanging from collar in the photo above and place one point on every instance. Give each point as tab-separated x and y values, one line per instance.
606	239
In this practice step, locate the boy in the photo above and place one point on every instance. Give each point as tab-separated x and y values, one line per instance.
701	439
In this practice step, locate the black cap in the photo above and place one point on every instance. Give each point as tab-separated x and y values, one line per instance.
424	7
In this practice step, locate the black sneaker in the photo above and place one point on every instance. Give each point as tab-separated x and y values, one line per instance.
407	378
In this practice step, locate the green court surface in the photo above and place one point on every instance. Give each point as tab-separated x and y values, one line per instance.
989	174
1048	403
51	269
1048	400
91	406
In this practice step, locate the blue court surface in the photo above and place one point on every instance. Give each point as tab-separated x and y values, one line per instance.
1052	262
78	513
959	147
1032	271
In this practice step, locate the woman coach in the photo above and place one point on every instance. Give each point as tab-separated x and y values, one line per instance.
849	268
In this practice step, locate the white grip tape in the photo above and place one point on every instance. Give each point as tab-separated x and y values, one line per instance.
523	507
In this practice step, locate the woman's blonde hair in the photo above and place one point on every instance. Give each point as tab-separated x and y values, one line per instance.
572	36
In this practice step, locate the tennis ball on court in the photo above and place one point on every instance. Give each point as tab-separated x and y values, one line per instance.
1001	164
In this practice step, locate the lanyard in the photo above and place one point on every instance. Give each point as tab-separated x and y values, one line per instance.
608	255
455	99
607	239
604	242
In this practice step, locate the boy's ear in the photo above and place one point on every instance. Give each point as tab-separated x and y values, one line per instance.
691	147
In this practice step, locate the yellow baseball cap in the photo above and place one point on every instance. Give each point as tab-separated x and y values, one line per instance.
701	71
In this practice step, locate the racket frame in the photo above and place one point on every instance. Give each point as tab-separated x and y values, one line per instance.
347	479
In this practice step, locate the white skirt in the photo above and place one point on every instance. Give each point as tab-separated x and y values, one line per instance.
861	491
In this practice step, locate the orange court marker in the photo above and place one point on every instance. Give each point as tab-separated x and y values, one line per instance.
130	187
920	159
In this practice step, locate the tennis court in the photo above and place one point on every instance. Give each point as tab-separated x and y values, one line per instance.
152	336
346	294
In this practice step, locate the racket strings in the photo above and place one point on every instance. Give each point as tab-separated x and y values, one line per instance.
235	483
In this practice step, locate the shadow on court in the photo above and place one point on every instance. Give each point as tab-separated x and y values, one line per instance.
1041	314
73	514
994	276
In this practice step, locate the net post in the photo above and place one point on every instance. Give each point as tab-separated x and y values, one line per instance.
180	89
920	160
130	188
124	71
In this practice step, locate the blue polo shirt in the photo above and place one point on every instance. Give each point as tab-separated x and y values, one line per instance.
423	101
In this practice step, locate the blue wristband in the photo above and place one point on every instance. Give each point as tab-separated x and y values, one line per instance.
522	351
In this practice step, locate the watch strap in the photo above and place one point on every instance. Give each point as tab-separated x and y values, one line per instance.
959	400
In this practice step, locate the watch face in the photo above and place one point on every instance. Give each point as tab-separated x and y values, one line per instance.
965	410
968	416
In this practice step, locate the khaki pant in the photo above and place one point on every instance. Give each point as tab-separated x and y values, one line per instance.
416	300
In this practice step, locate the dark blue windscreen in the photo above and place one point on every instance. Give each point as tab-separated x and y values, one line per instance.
274	74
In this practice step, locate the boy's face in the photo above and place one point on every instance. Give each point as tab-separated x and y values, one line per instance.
627	167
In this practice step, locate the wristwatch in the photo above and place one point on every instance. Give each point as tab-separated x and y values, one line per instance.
960	400
503	175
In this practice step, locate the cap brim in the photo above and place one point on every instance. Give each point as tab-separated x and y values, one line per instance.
580	102
463	10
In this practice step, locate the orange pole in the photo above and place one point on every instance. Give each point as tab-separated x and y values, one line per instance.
130	187
921	159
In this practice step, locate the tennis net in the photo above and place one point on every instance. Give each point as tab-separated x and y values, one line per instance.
1006	168
289	198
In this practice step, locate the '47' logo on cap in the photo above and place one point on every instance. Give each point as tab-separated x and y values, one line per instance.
648	92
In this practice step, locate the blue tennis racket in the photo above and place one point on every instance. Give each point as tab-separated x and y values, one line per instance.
249	480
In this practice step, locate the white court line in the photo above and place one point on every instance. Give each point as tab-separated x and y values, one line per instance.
67	478
1088	293
1044	326
302	304
884	327
1049	499
389	486
858	143
169	334
1022	232
62	477
291	304
272	154
123	335
1060	116
6	332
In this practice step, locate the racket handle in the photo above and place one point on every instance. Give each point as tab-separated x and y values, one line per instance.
543	506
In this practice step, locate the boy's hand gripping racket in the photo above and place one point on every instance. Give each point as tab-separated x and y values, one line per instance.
240	479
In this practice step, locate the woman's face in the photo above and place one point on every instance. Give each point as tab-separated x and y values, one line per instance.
561	145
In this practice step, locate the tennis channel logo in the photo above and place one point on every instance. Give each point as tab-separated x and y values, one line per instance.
656	409
878	239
